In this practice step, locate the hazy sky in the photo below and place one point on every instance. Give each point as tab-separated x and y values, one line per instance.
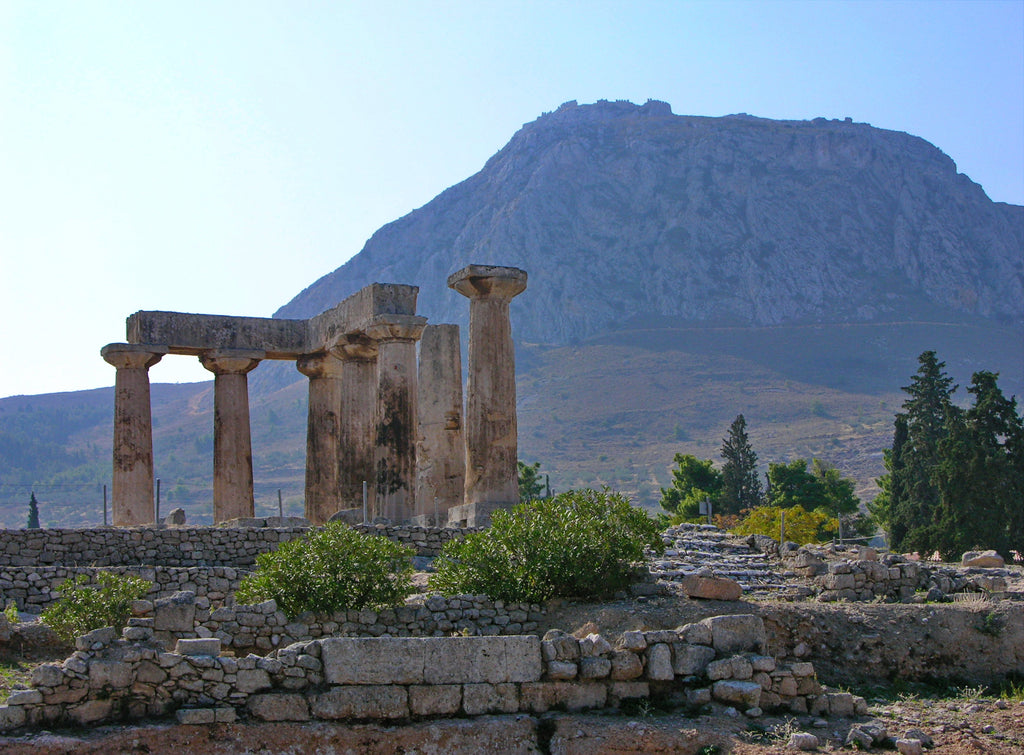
219	157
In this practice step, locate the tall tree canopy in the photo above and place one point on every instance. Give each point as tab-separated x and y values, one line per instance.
741	485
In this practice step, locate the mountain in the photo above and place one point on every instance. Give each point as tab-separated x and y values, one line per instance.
682	270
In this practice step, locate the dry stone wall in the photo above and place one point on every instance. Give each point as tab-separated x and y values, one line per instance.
718	659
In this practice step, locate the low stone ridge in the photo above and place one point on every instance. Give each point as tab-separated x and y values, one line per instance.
108	679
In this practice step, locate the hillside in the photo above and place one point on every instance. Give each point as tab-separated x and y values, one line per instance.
682	270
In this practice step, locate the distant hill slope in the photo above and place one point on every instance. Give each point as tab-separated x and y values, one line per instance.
621	211
682	270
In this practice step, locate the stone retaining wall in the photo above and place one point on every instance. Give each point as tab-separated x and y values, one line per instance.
718	659
181	546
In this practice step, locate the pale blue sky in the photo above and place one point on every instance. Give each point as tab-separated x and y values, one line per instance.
219	157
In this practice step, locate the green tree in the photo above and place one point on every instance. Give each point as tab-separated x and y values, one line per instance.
693	480
741	485
531	482
83	607
793	485
801	526
33	512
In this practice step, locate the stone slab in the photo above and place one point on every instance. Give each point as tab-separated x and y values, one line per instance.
194	334
383	701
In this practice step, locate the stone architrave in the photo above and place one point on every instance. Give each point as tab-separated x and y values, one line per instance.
357	439
132	484
396	433
232	439
441	454
491	428
323	430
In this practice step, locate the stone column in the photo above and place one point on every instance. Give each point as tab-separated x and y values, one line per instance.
232	439
441	454
323	429
396	433
357	438
132	484
491	429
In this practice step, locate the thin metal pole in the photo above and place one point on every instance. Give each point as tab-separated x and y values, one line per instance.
104	505
782	528
435	512
280	504
365	521
157	501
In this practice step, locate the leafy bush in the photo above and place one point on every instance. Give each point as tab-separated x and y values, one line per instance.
801	526
331	569
578	544
82	607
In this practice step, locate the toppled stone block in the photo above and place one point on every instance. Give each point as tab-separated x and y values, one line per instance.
803	741
736	633
983	559
910	746
176	518
711	588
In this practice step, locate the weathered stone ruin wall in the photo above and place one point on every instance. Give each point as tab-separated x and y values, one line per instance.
719	659
182	546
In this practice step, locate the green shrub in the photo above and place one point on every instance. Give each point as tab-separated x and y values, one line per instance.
331	569
82	607
802	526
578	544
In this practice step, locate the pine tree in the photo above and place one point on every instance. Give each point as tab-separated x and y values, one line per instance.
741	485
33	513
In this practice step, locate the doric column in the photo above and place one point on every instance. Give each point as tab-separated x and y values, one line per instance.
491	429
396	433
132	488
357	440
232	439
441	454
323	428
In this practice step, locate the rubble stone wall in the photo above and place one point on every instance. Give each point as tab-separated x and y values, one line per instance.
181	546
388	678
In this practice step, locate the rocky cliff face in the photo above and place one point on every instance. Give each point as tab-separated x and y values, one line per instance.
621	212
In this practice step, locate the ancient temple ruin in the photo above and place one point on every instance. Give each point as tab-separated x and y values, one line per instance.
376	413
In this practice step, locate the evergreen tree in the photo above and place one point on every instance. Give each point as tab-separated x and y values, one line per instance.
741	485
928	409
531	485
839	494
33	512
693	480
792	485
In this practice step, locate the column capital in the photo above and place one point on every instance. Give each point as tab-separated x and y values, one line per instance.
383	328
355	347
488	281
322	365
132	355
231	361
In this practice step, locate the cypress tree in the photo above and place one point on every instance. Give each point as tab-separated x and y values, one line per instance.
33	513
741	485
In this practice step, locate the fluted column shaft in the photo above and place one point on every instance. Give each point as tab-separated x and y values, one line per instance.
491	426
396	431
357	439
132	483
232	437
323	430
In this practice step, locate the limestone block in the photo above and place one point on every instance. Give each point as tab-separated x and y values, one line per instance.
364	701
208	646
373	660
802	741
195	716
593	645
435	699
691	660
626	666
90	712
277	706
909	746
699	696
803	668
111	674
659	662
620	691
632	640
11	718
762	662
494	660
252	680
984	559
840	704
560	670
539	697
25	697
595	668
478	699
561	646
741	694
711	588
47	675
737	633
176	613
695	634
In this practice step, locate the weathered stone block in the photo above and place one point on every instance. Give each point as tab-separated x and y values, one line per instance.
90	712
560	670
741	694
176	613
366	701
494	660
695	634
25	697
196	647
632	640
984	559
112	674
195	716
253	680
373	660
275	706
539	697
595	668
626	666
737	633
711	588
435	700
659	662
47	675
478	699
691	660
